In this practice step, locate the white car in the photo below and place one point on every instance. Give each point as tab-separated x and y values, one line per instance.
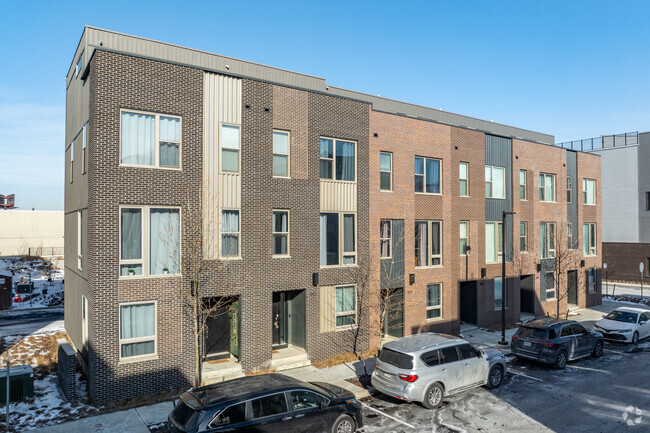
626	324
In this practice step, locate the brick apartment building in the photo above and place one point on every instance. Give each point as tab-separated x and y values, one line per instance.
309	199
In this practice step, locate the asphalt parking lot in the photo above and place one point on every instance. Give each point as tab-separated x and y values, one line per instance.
608	394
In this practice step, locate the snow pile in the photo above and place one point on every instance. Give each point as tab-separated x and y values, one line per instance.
43	274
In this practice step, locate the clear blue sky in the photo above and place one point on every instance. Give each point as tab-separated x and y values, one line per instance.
574	69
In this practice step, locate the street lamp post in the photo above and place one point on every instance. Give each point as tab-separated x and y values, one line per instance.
467	250
606	288
504	282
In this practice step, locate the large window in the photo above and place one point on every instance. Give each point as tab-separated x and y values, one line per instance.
589	191
72	162
464	237
80	236
428	243
337	159
280	232
463	175
523	236
385	171
281	153
522	184
149	241
493	242
230	233
84	162
427	175
591	280
589	239
550	285
230	146
150	139
137	330
495	182
385	233
434	301
569	189
337	246
346	310
546	187
498	293
547	240
571	245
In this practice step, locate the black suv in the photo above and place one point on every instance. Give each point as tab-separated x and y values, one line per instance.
547	340
266	403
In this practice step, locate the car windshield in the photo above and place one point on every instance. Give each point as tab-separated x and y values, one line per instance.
622	316
184	415
399	360
526	332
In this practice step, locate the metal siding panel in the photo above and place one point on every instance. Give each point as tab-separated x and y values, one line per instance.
338	196
392	270
644	185
327	308
498	152
572	209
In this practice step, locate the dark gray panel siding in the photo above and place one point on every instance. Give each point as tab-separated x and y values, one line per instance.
644	186
548	265
572	208
392	270
498	152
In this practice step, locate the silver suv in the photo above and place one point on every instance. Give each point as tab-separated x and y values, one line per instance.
426	367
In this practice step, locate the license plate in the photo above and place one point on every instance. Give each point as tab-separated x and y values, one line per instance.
527	343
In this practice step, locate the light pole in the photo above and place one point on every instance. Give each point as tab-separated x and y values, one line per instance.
641	270
504	282
606	288
467	250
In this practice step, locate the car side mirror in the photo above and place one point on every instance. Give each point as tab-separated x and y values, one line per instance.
481	354
643	322
322	405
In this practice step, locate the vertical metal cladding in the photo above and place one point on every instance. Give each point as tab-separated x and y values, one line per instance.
498	152
644	186
572	208
392	270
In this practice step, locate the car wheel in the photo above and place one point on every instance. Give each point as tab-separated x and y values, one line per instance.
598	349
433	396
343	424
560	360
635	338
495	377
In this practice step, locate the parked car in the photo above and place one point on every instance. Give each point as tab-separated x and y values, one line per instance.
428	367
555	342
627	324
266	403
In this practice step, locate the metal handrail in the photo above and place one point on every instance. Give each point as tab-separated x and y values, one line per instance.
602	142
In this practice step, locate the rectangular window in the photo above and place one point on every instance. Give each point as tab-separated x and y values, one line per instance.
463	174
230	233
77	67
498	293
337	159
83	150
522	184
591	280
550	285
523	237
427	175
569	189
434	301
589	239
495	182
150	139
72	162
79	239
547	240
349	240
464	237
346	310
546	187
137	330
569	237
428	243
337	246
230	146
589	191
385	171
385	233
647	200
281	153
280	232
493	242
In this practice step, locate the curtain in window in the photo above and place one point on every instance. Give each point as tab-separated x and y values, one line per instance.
585	239
542	195
138	133
433	295
384	230
348	234
344	160
345	300
490	242
230	148
137	321
592	238
421	243
230	233
323	239
329	239
164	241
591	192
433	176
326	151
498	183
131	234
435	238
280	152
543	237
280	225
550	188
170	137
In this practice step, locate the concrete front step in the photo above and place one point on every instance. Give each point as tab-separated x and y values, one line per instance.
290	363
213	377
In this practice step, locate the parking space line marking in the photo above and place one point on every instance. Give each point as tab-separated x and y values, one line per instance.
386	415
613	351
588	369
525	375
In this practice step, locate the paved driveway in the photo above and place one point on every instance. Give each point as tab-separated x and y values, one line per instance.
22	322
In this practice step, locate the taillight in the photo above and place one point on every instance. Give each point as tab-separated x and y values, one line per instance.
547	344
408	377
514	337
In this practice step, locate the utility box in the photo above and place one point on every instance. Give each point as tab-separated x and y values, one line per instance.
5	292
21	384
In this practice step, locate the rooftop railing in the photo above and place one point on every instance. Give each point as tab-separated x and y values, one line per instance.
602	142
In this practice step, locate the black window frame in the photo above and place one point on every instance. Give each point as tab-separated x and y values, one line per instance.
252	416
444	356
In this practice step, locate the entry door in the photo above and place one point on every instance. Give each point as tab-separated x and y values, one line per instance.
288	319
572	287
279	320
468	303
527	294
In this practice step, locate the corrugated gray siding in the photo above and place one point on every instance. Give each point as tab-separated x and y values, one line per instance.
498	152
572	208
644	185
392	270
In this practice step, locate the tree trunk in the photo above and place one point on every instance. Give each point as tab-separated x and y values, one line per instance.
197	365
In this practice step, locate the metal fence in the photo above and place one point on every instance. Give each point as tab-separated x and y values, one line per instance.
602	142
45	251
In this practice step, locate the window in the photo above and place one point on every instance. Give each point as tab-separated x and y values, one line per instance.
449	354
149	241
77	67
339	153
493	242
589	239
432	358
150	139
589	191
498	293
522	184
434	304
280	232
83	150
231	415
269	405
385	233
523	236
72	162
385	171
346	310
647	200
547	240
569	189
427	175
230	233
467	351
428	243
495	182
569	237
337	246
550	285
302	400
79	239
137	329
546	187
463	175
464	237
591	280
230	145
281	153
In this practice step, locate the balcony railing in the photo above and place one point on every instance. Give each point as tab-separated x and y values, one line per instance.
602	142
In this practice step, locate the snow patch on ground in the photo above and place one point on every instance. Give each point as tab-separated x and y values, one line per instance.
43	274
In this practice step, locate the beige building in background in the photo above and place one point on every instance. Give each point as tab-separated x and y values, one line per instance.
40	231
